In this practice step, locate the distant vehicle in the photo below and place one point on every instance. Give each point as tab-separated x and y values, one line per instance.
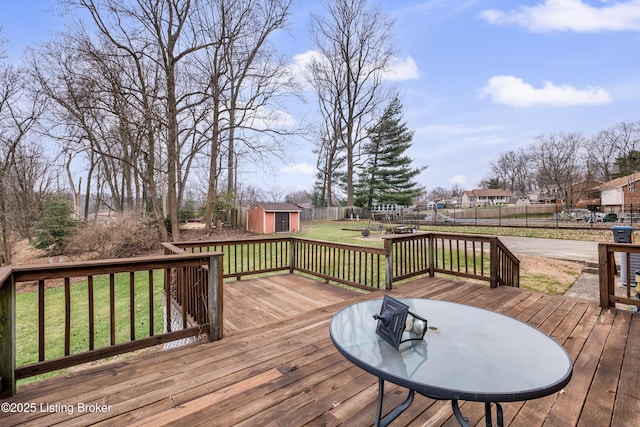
401	229
594	217
589	216
444	218
577	214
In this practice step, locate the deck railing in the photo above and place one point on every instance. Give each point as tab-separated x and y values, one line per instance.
357	266
403	256
630	262
472	256
71	326
132	292
245	256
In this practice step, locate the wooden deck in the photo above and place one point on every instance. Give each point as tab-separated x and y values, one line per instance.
287	372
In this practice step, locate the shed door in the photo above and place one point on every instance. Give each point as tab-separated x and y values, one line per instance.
282	222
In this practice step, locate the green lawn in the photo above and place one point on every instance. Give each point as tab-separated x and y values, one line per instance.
27	316
349	232
333	231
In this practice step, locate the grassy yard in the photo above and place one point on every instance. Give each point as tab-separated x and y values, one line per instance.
334	231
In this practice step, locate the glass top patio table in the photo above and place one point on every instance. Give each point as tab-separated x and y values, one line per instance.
468	353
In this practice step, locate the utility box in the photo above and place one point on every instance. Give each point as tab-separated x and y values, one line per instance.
624	234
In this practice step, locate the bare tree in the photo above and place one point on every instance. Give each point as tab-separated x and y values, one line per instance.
603	150
92	113
244	77
354	43
161	33
329	82
29	184
559	162
513	169
18	114
608	145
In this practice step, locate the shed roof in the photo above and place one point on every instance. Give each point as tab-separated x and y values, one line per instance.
279	207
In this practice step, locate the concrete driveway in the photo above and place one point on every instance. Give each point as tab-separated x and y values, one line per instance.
587	284
566	250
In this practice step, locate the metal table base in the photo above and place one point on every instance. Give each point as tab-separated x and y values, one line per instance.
395	412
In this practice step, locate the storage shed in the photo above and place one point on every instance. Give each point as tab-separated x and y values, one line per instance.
268	218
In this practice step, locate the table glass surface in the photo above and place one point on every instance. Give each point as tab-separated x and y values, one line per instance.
467	353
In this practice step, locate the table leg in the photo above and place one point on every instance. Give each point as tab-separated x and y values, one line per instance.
487	414
456	411
384	422
499	415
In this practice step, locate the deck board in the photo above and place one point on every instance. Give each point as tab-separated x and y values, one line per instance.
277	366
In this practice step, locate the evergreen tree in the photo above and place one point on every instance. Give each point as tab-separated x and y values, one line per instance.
387	177
56	226
627	164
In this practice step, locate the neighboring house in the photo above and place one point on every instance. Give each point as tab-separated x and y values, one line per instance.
620	192
550	194
268	218
484	197
586	194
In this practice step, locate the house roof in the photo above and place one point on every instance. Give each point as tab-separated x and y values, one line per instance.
619	182
487	192
279	207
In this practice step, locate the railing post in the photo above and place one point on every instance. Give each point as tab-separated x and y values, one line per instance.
293	256
7	333
494	263
432	255
606	271
388	279
215	298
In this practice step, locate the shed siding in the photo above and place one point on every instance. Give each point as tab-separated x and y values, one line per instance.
269	222
263	221
256	220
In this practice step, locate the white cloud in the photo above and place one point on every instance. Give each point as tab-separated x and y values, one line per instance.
302	60
399	70
570	15
303	168
459	179
268	118
513	91
403	70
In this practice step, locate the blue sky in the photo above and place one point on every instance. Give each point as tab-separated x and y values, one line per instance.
479	77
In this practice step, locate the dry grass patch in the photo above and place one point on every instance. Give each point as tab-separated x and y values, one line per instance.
548	275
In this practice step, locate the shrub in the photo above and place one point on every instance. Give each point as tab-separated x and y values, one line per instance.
125	236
